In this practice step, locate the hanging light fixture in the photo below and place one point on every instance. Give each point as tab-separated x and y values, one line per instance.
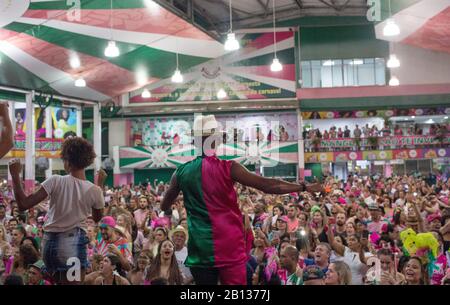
146	93
357	62
221	94
391	28
75	62
276	66
177	77
80	82
393	62
328	63
394	81
231	44
112	50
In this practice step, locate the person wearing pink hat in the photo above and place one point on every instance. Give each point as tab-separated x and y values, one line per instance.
434	221
113	241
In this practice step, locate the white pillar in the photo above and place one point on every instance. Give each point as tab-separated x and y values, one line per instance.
12	116
301	146
79	122
30	152
48	135
97	129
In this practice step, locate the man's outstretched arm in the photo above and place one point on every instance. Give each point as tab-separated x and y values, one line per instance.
268	185
171	194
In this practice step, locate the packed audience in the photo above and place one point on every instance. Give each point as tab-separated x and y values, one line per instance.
315	136
362	231
367	131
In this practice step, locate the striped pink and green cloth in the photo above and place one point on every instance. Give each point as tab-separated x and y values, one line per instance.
215	222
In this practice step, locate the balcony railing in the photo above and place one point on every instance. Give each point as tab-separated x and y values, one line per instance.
376	143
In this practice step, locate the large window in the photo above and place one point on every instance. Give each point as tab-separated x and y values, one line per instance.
343	73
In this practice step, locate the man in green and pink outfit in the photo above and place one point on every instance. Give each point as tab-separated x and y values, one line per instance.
216	246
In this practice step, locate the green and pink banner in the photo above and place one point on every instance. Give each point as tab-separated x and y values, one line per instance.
244	74
47	45
263	153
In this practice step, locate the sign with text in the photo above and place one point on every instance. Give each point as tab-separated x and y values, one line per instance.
244	74
380	141
49	148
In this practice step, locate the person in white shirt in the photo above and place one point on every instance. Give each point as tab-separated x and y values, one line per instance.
72	200
179	238
353	255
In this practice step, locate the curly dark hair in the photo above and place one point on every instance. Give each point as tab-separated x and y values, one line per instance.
28	255
78	152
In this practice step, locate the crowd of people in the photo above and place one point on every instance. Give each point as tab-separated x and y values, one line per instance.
295	239
315	135
372	131
215	222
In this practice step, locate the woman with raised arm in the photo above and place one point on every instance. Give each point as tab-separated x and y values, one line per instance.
353	255
72	200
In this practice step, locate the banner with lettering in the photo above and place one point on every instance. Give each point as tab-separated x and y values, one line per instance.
45	147
244	74
379	142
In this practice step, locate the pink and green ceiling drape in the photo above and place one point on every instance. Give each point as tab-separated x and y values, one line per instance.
39	38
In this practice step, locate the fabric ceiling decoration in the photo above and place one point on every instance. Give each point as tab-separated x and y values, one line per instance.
38	40
423	23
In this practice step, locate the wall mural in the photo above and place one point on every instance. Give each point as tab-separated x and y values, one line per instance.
263	153
64	122
168	131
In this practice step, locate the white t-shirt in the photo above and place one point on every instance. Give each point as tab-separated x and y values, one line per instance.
369	201
181	258
71	202
356	266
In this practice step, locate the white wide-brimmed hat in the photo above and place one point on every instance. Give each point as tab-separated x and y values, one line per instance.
205	125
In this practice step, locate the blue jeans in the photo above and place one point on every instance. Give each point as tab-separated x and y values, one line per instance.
59	247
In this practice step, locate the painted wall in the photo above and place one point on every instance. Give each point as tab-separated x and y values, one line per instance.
117	134
337	37
421	66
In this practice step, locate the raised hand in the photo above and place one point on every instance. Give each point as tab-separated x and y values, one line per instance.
15	167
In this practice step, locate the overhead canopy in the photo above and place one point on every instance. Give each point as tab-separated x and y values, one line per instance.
423	23
41	42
